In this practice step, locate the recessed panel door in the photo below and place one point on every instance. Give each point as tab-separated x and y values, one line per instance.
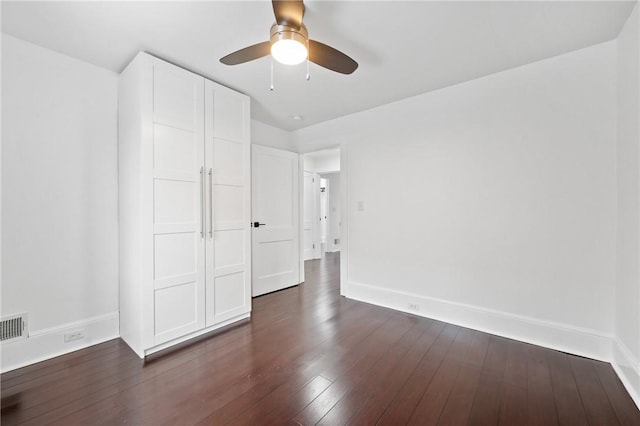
275	235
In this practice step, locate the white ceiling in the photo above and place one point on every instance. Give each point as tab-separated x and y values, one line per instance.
403	48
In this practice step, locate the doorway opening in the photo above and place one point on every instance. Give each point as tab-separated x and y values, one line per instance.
321	209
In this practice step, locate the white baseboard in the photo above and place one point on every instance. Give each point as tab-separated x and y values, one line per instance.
49	343
562	337
628	369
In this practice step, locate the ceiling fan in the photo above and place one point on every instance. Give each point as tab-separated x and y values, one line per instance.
290	44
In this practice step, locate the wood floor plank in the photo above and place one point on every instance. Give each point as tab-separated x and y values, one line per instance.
335	355
458	407
404	404
208	385
355	400
309	355
569	406
183	361
486	403
619	398
367	355
281	405
295	366
434	400
540	401
514	402
594	398
385	389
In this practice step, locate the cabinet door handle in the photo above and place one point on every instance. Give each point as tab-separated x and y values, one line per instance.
211	202
202	202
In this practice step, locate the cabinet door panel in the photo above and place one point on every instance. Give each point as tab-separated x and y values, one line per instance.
230	248
175	97
228	158
175	311
174	149
229	297
229	115
228	207
174	254
174	201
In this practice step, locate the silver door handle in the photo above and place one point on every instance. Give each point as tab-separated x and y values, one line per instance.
211	202
202	202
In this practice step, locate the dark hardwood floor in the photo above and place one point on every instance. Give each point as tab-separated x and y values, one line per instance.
309	356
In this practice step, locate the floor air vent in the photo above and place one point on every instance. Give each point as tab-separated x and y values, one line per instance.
13	327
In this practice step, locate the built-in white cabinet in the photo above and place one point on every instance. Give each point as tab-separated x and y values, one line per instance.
184	205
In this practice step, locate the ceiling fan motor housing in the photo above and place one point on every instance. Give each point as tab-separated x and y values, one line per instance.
285	32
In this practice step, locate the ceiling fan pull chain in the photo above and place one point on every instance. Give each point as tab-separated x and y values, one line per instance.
272	73
308	75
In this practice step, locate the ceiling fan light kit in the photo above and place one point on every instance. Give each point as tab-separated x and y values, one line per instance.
289	46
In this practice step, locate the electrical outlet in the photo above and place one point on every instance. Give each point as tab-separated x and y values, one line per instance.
414	306
74	335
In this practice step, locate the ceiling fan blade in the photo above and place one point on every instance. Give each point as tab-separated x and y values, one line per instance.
247	54
288	12
330	58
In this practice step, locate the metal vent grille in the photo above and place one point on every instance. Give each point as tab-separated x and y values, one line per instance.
13	327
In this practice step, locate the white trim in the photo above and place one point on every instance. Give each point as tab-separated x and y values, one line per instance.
345	212
189	336
49	342
563	337
628	369
301	277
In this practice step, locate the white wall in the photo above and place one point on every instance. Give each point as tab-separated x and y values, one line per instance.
491	203
327	161
308	163
333	210
264	134
59	199
324	161
627	308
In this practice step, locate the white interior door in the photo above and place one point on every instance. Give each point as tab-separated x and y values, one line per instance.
275	206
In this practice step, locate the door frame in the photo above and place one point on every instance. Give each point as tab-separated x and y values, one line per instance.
344	207
315	226
324	219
